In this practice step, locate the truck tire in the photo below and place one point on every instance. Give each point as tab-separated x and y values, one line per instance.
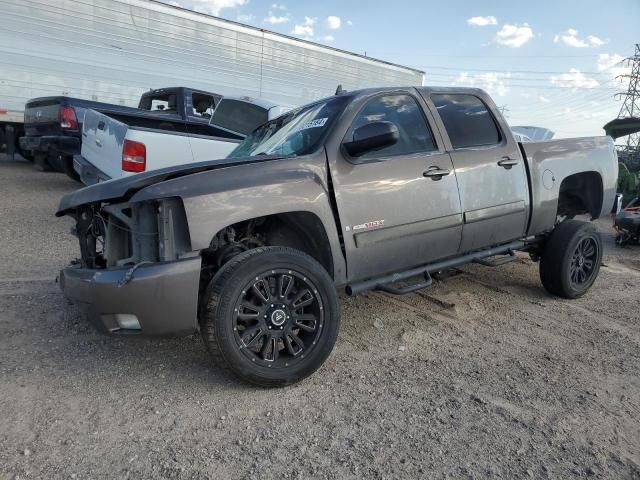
56	163
271	316
571	259
67	167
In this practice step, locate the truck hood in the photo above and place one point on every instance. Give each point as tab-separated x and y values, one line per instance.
124	188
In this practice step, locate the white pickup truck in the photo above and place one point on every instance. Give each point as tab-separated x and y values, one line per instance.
114	148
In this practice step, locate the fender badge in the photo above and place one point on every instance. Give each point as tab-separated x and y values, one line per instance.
371	224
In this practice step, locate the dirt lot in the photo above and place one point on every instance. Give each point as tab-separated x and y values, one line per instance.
483	376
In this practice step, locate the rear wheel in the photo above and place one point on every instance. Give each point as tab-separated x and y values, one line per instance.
271	315
56	163
571	259
67	167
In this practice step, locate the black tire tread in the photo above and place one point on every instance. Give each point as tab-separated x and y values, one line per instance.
214	295
553	256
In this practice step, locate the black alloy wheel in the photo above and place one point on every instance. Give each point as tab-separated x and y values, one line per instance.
583	262
570	259
278	318
271	315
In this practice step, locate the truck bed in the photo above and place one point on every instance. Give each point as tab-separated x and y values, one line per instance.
103	138
550	160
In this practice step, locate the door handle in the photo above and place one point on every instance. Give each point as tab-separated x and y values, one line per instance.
98	142
507	162
435	173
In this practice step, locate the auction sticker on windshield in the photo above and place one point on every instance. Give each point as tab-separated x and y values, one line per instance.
318	122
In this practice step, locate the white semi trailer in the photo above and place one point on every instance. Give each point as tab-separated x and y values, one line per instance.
113	50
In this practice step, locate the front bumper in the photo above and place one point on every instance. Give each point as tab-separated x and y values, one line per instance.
162	297
51	145
89	173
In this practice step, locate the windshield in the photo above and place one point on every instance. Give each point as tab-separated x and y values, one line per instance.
297	132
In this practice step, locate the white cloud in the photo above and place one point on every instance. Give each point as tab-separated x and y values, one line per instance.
245	18
275	19
328	38
571	39
305	29
482	21
213	7
595	41
543	99
281	6
493	82
332	22
574	79
349	22
514	36
606	61
613	65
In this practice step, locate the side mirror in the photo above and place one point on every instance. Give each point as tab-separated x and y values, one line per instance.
372	136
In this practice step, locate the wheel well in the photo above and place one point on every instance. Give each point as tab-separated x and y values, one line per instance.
300	230
581	193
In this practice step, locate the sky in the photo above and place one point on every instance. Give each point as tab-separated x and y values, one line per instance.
547	63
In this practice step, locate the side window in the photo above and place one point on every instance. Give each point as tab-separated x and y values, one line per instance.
203	105
414	133
238	116
467	120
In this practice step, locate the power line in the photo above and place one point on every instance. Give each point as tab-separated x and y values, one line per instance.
494	70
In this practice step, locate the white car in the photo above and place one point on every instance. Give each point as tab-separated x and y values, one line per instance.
114	148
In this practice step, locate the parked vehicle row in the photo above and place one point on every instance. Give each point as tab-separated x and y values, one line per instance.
370	189
208	128
99	51
58	129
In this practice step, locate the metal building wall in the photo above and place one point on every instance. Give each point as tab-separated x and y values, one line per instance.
113	50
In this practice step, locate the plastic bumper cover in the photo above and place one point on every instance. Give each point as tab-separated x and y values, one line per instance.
155	299
54	145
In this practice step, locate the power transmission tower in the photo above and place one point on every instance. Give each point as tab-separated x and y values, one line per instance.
503	110
631	108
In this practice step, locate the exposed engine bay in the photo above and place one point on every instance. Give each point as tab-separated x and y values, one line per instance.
126	234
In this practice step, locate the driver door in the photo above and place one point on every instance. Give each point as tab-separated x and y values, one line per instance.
395	213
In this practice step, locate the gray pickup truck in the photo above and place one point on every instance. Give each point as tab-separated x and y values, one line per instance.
371	189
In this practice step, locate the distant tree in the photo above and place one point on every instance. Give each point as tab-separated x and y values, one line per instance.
627	183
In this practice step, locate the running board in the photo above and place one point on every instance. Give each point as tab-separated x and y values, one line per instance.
496	262
389	288
386	281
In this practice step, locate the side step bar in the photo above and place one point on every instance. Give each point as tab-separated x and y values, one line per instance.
389	288
385	282
496	262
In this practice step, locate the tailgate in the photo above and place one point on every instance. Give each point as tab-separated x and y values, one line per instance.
102	140
42	117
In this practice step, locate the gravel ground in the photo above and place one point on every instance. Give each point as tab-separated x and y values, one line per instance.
482	376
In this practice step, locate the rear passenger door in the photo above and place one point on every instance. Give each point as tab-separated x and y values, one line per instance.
491	174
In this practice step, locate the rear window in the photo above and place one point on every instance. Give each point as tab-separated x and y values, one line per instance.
238	116
202	105
166	102
467	120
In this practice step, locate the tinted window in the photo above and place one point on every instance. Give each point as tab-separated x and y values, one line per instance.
237	116
467	120
404	112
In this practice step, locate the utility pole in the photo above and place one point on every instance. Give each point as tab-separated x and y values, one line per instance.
630	152
503	110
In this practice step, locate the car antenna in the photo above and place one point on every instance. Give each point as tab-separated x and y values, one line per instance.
340	90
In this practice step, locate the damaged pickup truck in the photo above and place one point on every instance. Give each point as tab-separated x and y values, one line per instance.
371	189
